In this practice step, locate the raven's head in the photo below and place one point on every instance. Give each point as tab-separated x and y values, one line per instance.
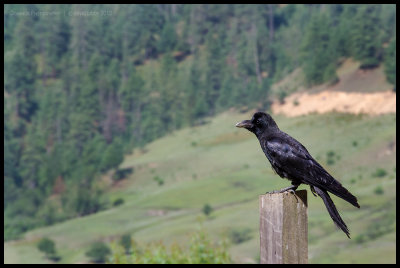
260	123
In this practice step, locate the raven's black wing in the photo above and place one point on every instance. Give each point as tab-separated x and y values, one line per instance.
290	159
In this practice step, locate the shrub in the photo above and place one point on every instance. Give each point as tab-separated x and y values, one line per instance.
379	190
330	154
118	202
158	180
207	209
240	235
379	173
122	173
359	239
126	243
47	246
98	252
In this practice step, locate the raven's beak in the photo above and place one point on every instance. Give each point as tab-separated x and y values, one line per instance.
245	124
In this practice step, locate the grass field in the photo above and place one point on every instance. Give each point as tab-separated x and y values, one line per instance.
220	165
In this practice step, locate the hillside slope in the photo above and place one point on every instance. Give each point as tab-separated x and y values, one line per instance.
224	167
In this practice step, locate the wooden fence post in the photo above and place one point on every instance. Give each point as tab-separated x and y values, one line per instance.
284	227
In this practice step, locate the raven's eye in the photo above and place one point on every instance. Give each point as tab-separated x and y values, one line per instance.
258	122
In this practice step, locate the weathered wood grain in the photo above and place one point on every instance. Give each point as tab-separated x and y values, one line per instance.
284	227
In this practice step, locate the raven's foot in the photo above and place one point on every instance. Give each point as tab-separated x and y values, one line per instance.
291	189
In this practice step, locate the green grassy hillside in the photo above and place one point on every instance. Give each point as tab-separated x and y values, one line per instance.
223	166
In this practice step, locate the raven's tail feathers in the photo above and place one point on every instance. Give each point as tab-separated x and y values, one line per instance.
332	210
327	182
338	189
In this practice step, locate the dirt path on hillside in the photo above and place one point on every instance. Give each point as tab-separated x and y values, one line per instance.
327	101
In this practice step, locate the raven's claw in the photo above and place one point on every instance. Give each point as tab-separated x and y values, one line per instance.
291	189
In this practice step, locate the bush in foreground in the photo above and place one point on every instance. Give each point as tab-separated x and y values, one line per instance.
201	250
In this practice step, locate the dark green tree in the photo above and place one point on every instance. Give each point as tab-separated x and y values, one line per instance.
214	71
83	199
33	157
207	209
53	41
319	55
112	156
168	39
132	97
366	36
85	118
21	73
171	100
48	247
12	148
390	62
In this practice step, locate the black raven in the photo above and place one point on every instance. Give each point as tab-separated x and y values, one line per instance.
291	160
